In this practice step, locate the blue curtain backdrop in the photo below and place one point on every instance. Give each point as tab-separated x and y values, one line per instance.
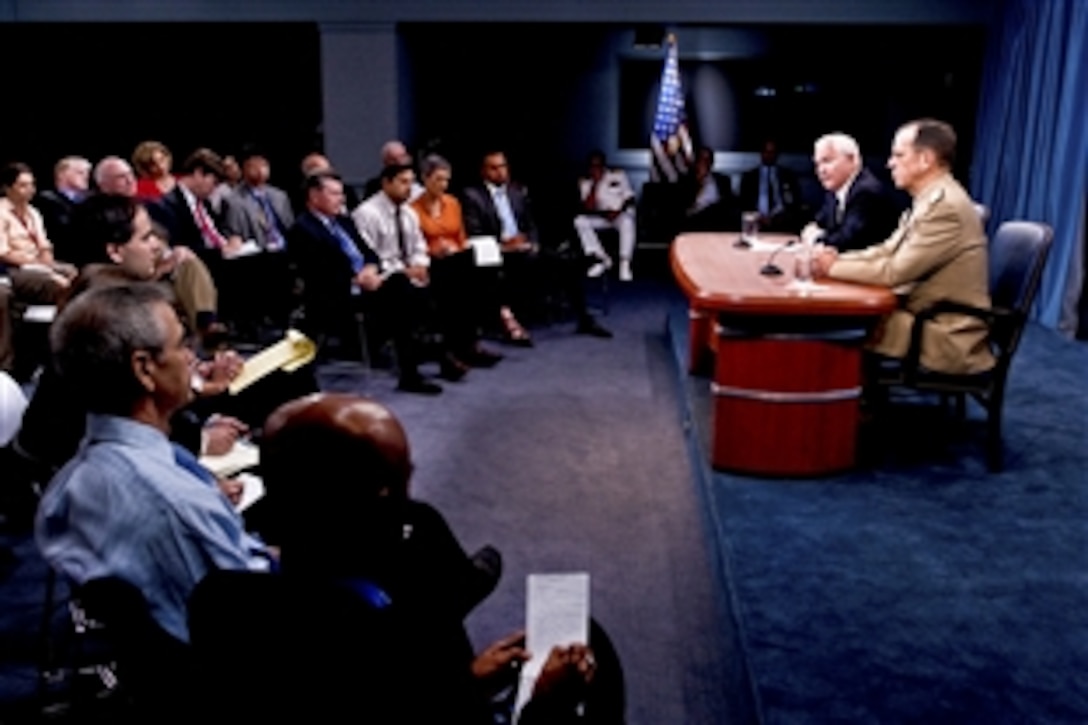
1031	148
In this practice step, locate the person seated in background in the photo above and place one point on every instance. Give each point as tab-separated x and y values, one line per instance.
390	227
153	161
459	284
398	559
772	191
30	273
938	252
856	212
607	201
130	504
341	274
71	181
393	153
315	163
232	176
713	205
496	207
187	274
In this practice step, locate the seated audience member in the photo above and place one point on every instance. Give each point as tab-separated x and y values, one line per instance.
71	180
31	274
259	211
498	208
713	205
393	153
457	282
314	163
408	574
607	202
937	252
390	227
772	191
341	273
153	161
130	504
856	212
232	176
187	274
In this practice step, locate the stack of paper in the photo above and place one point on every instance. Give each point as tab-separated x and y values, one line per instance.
241	456
289	354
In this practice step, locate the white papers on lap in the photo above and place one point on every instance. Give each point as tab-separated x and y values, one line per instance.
241	456
40	313
252	490
556	615
247	248
486	251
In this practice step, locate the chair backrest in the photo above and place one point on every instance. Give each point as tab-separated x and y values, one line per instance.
1018	255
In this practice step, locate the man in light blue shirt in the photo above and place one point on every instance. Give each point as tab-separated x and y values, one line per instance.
129	504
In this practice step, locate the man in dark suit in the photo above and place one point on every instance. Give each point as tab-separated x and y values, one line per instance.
712	205
772	191
498	208
857	212
341	273
71	180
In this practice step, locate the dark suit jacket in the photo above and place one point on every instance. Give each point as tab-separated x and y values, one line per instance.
868	216
173	214
58	213
721	216
788	219
482	219
325	270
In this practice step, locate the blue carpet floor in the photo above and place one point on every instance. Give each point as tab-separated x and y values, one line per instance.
920	589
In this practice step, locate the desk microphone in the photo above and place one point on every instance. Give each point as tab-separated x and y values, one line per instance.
770	269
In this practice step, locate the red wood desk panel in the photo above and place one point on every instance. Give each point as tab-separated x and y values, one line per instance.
787	362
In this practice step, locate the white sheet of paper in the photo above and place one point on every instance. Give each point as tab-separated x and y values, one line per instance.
247	248
252	490
556	615
761	246
487	251
40	313
241	456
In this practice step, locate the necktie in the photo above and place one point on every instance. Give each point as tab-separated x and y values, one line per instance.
273	224
184	458
506	213
591	198
763	205
212	238
398	219
838	211
347	246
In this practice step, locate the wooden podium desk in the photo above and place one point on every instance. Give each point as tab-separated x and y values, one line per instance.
787	360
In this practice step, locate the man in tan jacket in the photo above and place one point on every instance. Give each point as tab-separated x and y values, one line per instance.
937	252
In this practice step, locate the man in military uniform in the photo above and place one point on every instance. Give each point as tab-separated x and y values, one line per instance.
607	200
937	252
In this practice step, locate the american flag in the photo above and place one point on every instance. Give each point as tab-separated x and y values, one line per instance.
670	145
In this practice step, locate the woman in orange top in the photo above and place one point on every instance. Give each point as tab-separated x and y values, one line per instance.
152	161
447	243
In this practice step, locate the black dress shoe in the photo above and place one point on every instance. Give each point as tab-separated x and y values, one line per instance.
481	357
589	326
418	385
452	369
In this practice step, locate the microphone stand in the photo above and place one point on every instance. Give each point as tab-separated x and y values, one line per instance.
770	269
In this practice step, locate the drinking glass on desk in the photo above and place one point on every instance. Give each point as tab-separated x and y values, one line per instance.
749	228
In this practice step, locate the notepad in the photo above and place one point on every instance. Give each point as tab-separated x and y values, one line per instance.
486	251
556	615
241	456
289	354
245	249
252	490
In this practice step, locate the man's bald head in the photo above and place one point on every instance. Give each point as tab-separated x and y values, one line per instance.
395	153
113	175
338	435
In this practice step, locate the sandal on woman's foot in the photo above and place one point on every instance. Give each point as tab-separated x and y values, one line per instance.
515	333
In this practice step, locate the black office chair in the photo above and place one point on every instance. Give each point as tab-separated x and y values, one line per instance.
1018	255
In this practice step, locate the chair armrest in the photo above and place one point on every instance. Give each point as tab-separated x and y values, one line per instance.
993	317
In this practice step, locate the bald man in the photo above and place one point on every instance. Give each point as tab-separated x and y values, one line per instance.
401	558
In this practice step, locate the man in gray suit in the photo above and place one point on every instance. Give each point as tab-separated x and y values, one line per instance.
259	211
